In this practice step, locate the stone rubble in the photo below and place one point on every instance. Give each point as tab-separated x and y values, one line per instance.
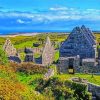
49	74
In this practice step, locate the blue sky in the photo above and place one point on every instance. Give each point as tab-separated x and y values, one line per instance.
34	15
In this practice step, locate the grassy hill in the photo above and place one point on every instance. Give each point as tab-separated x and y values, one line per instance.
19	82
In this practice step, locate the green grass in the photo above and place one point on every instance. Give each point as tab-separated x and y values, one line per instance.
30	80
56	56
95	79
22	56
36	55
24	44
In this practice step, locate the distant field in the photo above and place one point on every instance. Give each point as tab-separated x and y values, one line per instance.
20	42
27	41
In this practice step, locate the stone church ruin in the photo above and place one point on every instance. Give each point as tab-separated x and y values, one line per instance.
78	51
11	52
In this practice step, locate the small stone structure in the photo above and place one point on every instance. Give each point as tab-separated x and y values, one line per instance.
79	80
49	74
29	55
48	53
88	65
88	62
9	48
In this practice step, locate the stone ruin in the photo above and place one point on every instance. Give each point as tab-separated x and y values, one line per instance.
29	55
67	63
48	53
92	88
38	50
80	42
11	52
9	48
77	50
49	74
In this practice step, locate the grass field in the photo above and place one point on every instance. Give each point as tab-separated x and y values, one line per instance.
31	80
27	41
20	42
95	79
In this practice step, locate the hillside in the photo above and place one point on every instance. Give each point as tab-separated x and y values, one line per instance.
25	81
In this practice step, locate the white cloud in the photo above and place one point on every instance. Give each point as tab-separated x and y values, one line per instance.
55	13
20	21
58	8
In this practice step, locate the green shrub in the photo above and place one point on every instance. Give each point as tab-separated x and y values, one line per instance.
55	88
80	90
29	68
3	57
63	90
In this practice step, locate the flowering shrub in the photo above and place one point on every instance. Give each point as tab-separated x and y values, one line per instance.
29	68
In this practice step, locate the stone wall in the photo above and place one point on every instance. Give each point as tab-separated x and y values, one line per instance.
64	64
29	57
9	48
48	53
88	69
38	50
95	90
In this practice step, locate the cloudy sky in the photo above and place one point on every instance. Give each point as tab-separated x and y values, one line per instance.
48	15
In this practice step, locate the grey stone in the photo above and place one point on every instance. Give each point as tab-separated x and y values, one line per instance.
29	55
66	63
15	59
48	53
9	48
49	74
79	42
81	47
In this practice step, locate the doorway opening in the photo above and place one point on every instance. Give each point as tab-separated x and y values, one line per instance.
71	66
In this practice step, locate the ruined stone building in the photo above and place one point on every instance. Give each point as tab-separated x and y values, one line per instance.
9	48
29	55
80	42
11	52
79	45
48	53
